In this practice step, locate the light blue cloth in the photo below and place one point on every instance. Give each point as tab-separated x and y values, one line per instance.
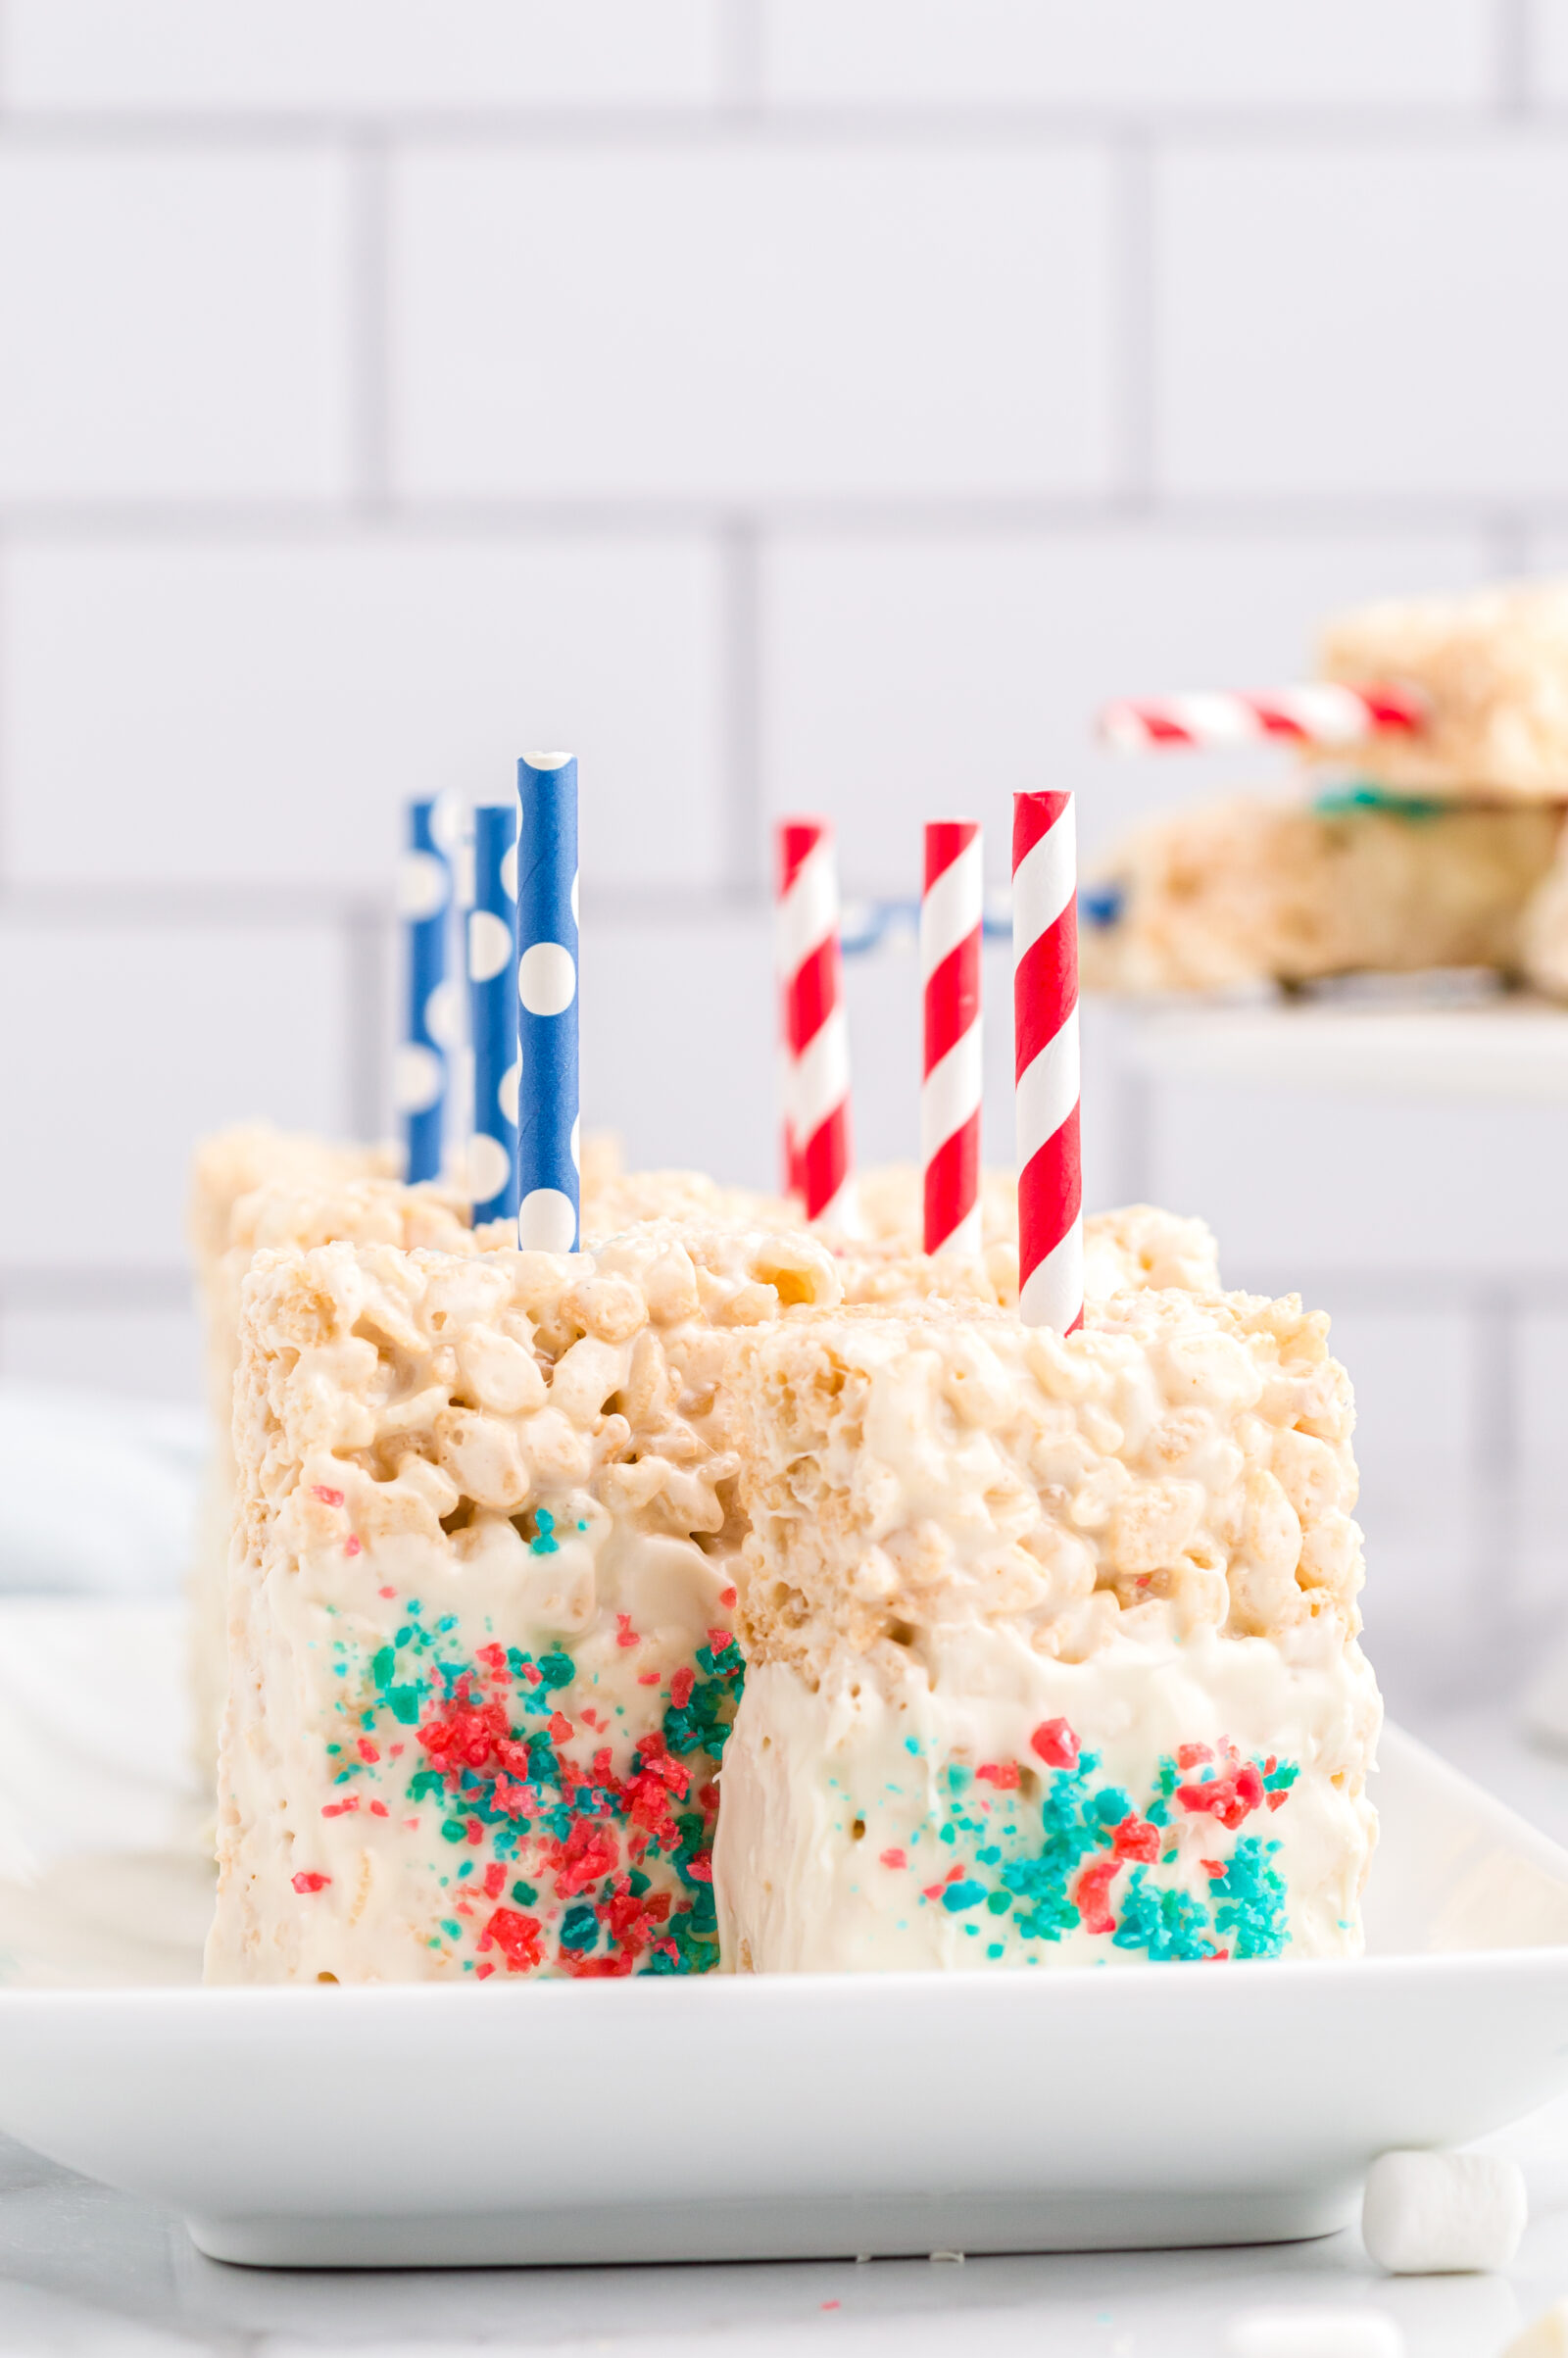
97	1494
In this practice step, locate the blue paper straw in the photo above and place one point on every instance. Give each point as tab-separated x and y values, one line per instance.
493	1014
549	1190
424	898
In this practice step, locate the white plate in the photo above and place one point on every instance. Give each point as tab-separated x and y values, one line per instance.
725	2119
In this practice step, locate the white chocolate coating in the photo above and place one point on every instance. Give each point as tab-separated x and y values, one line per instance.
846	1807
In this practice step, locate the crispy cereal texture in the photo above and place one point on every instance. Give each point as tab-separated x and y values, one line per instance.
1182	1463
1247	892
1495	667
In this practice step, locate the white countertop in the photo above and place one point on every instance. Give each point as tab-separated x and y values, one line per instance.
87	2272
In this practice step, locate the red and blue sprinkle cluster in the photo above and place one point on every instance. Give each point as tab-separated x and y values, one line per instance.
1096	1863
555	1863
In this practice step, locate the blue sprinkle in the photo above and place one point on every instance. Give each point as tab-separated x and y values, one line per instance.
1102	904
546	1544
960	1896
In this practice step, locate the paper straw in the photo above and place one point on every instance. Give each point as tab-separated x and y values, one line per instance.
951	921
424	898
816	1034
494	1018
1320	713
1045	1022
548	1185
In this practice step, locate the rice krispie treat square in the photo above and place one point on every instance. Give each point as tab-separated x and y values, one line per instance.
318	1196
1051	1642
482	1596
1495	665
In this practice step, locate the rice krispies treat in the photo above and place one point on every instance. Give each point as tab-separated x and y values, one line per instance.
1051	1643
1246	891
311	1206
481	1605
1137	1245
627	1198
1495	665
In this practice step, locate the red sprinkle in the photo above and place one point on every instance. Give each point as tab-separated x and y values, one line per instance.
368	1750
386	1591
727	1597
351	1546
894	1858
1056	1743
329	1498
1135	1838
1192	1756
701	1867
474	1831
1229	1798
378	1809
1003	1774
482	1972
1212	1866
312	1882
626	1635
934	1891
495	1875
648	1678
1092	1896
516	1936
340	1810
1277	1801
718	1638
680	1688
560	1725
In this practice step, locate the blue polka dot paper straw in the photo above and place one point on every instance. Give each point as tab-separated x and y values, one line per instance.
548	1192
430	1029
493	1014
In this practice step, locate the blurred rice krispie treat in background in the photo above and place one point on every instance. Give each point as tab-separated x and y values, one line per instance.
1493	668
1247	892
1050	1642
482	1602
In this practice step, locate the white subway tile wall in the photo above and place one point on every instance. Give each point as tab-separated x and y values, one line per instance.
815	403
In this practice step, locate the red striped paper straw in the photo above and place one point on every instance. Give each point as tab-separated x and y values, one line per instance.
951	918
816	1035
1045	1024
1321	713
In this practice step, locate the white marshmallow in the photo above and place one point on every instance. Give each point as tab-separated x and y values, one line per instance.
1545	2337
1314	2333
1436	2214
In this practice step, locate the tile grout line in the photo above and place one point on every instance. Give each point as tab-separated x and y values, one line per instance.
1314	516
368	327
740	691
1133	331
742	64
1513	61
368	1024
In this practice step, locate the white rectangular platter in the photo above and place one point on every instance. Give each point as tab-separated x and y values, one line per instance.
725	2119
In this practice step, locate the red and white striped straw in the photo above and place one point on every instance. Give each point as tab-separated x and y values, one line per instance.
1045	1026
1320	713
952	917
816	1034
